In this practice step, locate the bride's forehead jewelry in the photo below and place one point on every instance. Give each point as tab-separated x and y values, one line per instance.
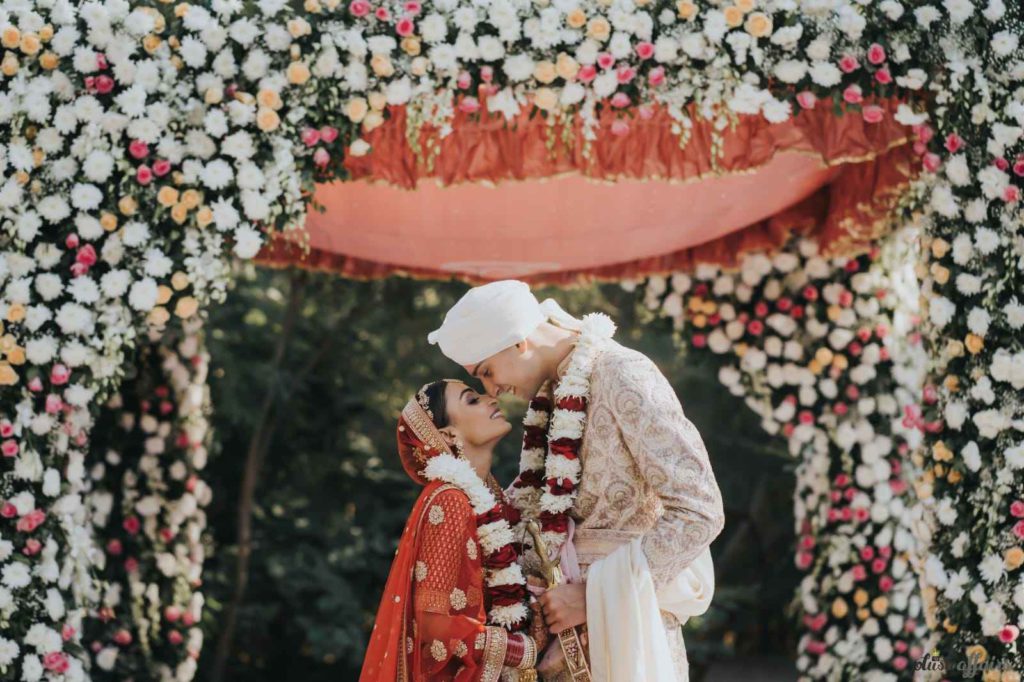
424	401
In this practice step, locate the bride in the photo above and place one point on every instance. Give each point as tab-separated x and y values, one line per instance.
455	606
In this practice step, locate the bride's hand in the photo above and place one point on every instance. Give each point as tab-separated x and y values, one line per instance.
538	629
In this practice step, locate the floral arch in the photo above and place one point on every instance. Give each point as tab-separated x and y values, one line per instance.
146	146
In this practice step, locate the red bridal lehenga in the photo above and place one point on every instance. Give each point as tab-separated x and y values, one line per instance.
432	620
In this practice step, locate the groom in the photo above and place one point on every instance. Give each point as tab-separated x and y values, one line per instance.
615	473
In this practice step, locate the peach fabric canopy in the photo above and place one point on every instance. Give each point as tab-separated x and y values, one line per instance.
500	200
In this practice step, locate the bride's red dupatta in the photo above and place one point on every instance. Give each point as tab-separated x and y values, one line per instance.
385	656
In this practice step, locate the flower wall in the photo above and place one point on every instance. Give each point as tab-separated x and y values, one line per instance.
826	352
142	148
147	500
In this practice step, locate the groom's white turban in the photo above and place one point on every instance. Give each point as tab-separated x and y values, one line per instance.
490	318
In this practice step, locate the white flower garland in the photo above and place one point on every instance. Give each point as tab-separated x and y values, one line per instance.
493	536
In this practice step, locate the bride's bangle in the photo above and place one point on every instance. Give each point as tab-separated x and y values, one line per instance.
529	660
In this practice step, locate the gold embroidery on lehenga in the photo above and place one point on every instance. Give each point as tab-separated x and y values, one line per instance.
436	515
471	549
421	571
438	650
457	599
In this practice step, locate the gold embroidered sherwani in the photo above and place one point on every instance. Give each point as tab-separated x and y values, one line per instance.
645	473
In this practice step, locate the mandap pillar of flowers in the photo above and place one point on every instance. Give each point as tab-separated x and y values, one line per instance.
826	351
143	147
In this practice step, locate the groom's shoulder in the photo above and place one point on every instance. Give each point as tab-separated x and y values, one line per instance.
617	362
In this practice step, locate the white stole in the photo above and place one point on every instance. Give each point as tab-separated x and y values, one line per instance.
627	638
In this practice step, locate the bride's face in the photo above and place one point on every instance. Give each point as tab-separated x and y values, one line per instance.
475	418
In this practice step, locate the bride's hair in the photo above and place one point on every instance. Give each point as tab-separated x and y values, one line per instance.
437	403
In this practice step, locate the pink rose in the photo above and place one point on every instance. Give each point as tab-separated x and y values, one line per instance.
605	60
67	633
172	614
1018	529
123	637
104	84
6	428
699	340
8	510
405	27
876	54
919	147
953	143
872	113
931	162
645	50
861	514
321	157
656	76
807	542
138	149
59	374
816	648
161	167
1018	167
924	132
818	622
86	256
101	61
859	572
885	583
1008	634
174	637
71	241
1011	194
188	620
625	74
586	73
131	564
56	661
32	547
469	105
883	76
900	662
755	327
359	8
842	480
464	80
848	63
35	385
806	417
144	175
53	403
620	127
29	522
804	560
309	136
114	547
487	73
10	448
852	392
878	565
412	7
806	99
382	14
132	525
620	100
1017	509
647	113
1001	163
328	134
852	95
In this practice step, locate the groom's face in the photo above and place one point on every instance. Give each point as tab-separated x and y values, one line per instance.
515	370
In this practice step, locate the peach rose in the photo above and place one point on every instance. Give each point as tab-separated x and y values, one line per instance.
299	27
411	45
190	198
268	98
49	61
10	65
8	377
544	72
186	307
382	66
840	608
267	119
127	206
298	73
974	343
204	216
746	5
30	43
378	100
758	24
576	18
373	120
1013	558
419	66
158	316
45	33
167	196
108	221
11	37
213	95
545	98
687	10
733	16
598	28
179	280
356	109
566	66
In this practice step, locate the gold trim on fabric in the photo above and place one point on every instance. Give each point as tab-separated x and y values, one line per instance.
495	647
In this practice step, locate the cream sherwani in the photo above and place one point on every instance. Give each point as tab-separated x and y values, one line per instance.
647	510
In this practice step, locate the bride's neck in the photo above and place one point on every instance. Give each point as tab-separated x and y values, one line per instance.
480	458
